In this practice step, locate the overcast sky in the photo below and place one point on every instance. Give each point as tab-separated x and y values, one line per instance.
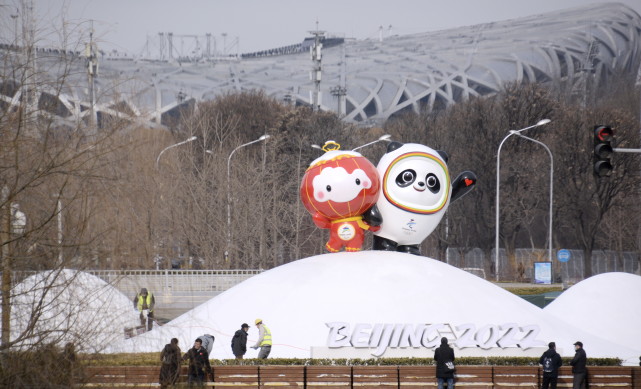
264	24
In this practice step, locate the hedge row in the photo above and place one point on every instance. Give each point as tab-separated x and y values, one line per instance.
147	359
528	291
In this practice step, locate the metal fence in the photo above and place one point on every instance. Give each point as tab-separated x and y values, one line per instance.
168	281
474	260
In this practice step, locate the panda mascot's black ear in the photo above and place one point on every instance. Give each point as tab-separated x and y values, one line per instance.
393	146
443	155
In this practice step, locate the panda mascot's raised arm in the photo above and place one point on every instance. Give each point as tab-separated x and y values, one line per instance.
415	193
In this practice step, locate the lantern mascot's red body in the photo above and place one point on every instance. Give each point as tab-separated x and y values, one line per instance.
337	189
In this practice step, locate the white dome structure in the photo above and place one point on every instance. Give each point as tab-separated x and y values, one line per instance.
370	304
606	305
70	306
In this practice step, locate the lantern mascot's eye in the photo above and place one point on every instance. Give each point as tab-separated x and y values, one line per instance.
337	189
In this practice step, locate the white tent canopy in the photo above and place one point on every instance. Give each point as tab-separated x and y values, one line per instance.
70	306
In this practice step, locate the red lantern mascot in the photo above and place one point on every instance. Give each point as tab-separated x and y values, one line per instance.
337	189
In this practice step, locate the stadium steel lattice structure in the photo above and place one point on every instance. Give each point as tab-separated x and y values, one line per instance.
364	80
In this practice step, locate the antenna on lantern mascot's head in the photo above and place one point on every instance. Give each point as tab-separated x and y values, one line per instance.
330	145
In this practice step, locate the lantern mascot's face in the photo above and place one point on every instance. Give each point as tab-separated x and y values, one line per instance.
337	189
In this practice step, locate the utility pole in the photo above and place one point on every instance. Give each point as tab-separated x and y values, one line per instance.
224	34
208	50
588	70
29	103
340	91
161	45
91	55
315	96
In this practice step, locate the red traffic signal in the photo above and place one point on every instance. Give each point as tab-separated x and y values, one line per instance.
603	133
602	151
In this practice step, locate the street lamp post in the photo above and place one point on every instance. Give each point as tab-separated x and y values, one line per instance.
382	138
193	138
264	137
498	180
551	189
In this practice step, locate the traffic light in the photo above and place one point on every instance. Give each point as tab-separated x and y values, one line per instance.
603	136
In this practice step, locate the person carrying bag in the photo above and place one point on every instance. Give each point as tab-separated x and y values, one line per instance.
444	357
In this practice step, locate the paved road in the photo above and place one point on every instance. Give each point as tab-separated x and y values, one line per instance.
169	307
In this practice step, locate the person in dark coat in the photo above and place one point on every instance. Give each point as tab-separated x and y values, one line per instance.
68	364
170	368
198	363
442	355
239	342
551	361
578	367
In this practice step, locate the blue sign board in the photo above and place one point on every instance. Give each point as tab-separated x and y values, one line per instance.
543	272
563	255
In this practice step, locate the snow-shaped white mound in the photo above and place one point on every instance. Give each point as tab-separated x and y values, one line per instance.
607	305
69	306
373	303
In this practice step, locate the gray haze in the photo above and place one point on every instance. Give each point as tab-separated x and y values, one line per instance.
262	24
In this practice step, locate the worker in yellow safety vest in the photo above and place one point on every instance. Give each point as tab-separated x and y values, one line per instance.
264	339
144	302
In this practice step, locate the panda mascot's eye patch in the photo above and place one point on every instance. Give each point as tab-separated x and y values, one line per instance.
433	183
406	178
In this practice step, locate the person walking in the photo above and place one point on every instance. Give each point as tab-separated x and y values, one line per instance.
239	342
264	339
144	302
198	363
170	368
551	361
579	370
444	356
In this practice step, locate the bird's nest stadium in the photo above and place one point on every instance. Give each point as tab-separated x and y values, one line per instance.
364	81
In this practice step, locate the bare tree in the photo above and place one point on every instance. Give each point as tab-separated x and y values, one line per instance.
52	175
471	132
585	200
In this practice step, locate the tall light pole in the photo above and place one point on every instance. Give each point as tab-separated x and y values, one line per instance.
498	180
59	216
193	138
15	28
5	256
551	189
264	137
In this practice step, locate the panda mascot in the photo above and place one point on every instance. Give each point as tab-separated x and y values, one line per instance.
415	193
